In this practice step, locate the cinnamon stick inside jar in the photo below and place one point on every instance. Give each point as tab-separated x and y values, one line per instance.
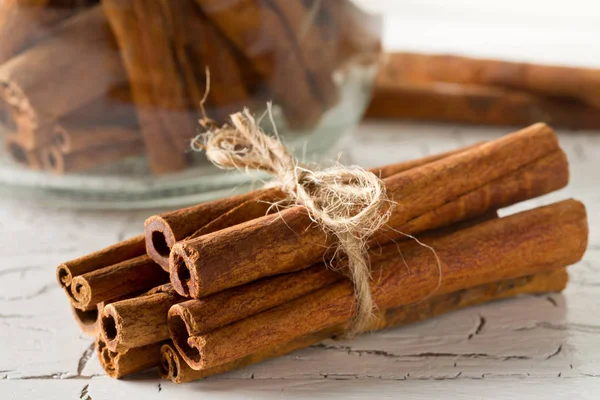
164	230
109	283
468	103
260	35
156	84
245	252
38	96
499	249
23	22
119	364
174	367
21	154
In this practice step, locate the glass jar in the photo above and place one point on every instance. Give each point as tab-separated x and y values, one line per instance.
100	99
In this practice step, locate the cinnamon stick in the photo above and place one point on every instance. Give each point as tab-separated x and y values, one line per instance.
302	29
88	321
23	22
155	80
54	160
21	154
164	230
174	367
555	81
248	22
519	245
114	254
119	364
138	321
248	251
71	139
40	96
109	283
468	103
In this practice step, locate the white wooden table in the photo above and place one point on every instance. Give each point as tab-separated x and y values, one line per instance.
530	347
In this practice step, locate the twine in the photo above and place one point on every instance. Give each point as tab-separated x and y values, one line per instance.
346	201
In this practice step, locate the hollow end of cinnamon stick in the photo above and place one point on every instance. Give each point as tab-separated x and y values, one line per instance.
52	160
21	155
180	334
80	292
109	328
159	240
169	365
63	275
182	272
60	139
87	320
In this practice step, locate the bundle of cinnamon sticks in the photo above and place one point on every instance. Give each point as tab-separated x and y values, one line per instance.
451	88
84	84
228	283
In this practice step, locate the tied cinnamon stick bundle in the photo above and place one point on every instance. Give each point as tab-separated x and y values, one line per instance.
495	250
174	367
246	252
38	97
164	230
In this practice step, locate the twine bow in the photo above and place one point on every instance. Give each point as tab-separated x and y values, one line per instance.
346	201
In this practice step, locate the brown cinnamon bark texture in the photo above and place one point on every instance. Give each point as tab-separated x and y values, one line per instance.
155	79
76	138
21	153
54	160
468	103
579	83
248	251
164	230
23	22
110	283
174	367
108	256
258	32
519	245
119	364
138	321
39	96
88	321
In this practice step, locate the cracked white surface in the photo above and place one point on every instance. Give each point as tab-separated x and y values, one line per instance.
537	345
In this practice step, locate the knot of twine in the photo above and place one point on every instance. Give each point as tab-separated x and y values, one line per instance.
346	201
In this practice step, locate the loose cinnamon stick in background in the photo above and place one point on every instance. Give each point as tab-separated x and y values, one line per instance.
174	367
499	249
468	103
156	84
243	253
556	81
40	96
133	275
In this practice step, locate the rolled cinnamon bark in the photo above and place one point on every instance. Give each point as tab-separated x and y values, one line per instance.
302	29
110	255
468	103
579	83
23	22
164	230
246	252
519	245
174	367
260	35
157	87
21	154
109	283
75	138
54	160
138	321
88	321
119	364
40	96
